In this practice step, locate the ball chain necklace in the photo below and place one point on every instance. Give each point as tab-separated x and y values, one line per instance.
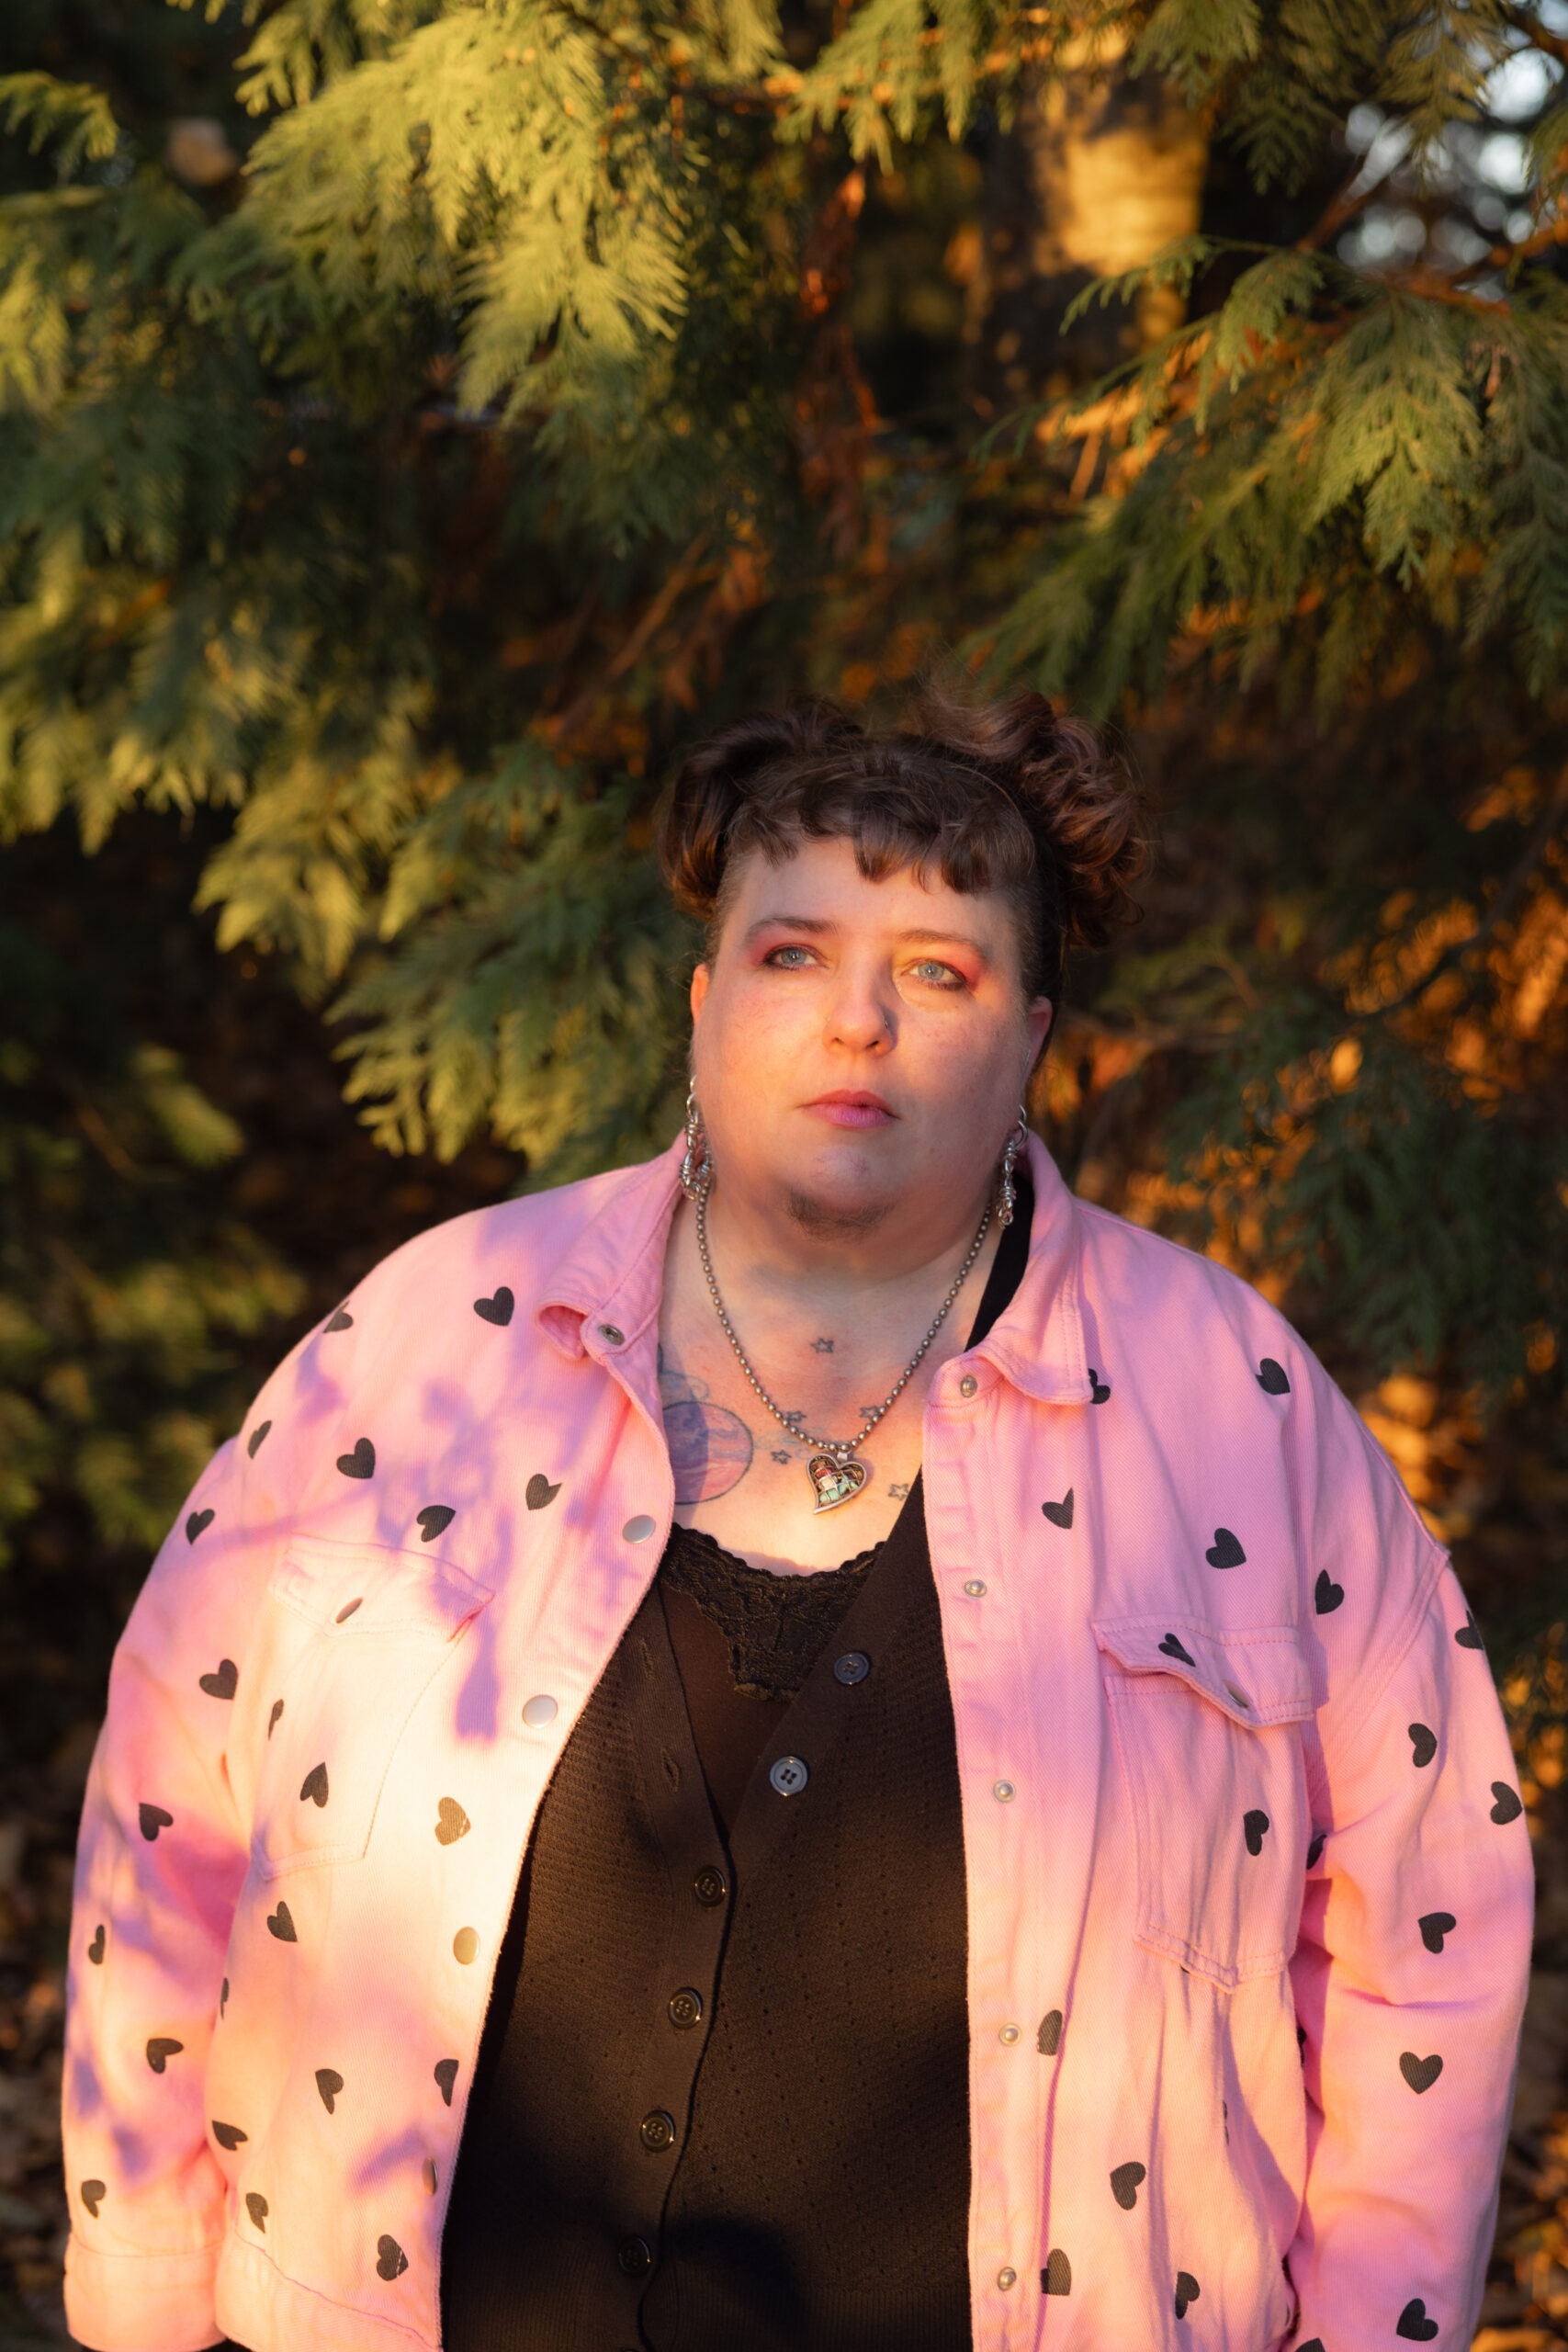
835	1476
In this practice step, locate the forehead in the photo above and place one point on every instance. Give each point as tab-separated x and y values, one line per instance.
820	882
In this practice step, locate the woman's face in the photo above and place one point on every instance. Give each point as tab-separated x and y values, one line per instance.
861	1048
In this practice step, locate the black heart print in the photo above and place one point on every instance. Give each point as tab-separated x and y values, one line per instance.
329	2084
446	2075
225	1682
497	1309
273	1720
1434	1927
1254	1828
1326	1595
259	2209
1187	2292
1125	2182
342	1321
1224	1551
1171	1647
95	1949
1469	1635
257	1438
1270	1378
314	1785
432	1520
1414	2323
361	1463
1060	1514
223	2000
1313	2344
230	2136
151	1818
1508	1806
197	1520
1314	1851
453	1822
1420	2073
280	1923
159	2050
1049	2039
1423	1744
1057	2278
93	2193
1099	1390
538	1494
391	2259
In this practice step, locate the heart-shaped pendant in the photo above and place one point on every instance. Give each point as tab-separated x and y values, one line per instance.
835	1482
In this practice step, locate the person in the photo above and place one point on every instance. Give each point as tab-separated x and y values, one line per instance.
812	1744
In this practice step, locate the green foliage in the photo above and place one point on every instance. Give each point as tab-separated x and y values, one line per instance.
411	497
121	1293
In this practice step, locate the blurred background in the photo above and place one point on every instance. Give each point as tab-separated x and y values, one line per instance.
420	418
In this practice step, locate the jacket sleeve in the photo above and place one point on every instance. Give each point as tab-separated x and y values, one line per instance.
161	1861
1412	1968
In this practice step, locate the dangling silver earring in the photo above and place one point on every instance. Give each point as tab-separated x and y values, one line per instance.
697	1168
1007	1199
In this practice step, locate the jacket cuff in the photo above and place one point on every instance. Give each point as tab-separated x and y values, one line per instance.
141	2302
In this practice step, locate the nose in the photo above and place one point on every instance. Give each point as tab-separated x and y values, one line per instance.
863	1018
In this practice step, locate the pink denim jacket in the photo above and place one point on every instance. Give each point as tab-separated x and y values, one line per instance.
1249	1886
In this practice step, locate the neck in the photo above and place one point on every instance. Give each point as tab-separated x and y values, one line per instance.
789	1247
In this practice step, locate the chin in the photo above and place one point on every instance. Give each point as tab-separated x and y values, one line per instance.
832	1214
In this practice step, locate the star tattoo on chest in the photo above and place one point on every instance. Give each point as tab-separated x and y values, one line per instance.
822	1347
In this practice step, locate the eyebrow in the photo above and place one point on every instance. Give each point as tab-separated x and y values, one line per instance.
818	924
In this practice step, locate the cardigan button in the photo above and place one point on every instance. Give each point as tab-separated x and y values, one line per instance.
657	2131
853	1668
685	2008
633	2259
710	1886
789	1775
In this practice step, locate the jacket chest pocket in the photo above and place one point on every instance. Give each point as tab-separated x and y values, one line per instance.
1206	1725
351	1638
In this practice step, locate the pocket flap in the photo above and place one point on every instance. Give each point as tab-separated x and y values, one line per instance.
1256	1676
351	1590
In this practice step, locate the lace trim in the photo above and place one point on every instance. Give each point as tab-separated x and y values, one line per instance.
777	1627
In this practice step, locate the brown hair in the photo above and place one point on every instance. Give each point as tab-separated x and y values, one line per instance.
995	795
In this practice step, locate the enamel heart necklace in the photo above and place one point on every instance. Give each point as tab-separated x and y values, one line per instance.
835	1476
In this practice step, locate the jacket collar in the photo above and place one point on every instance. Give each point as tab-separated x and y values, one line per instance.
604	1295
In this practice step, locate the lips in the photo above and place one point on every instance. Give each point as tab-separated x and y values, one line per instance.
852	1107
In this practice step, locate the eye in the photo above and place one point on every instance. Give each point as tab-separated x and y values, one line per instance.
934	974
792	959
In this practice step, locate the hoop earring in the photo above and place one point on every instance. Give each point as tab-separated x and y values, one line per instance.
697	1168
1007	1199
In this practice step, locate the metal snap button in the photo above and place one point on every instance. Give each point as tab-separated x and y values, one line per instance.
1006	2278
608	1331
539	1710
657	2131
685	2008
639	1530
710	1886
789	1775
1239	1696
1010	2034
854	1667
968	1385
633	2257
465	1945
1004	1793
976	1589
